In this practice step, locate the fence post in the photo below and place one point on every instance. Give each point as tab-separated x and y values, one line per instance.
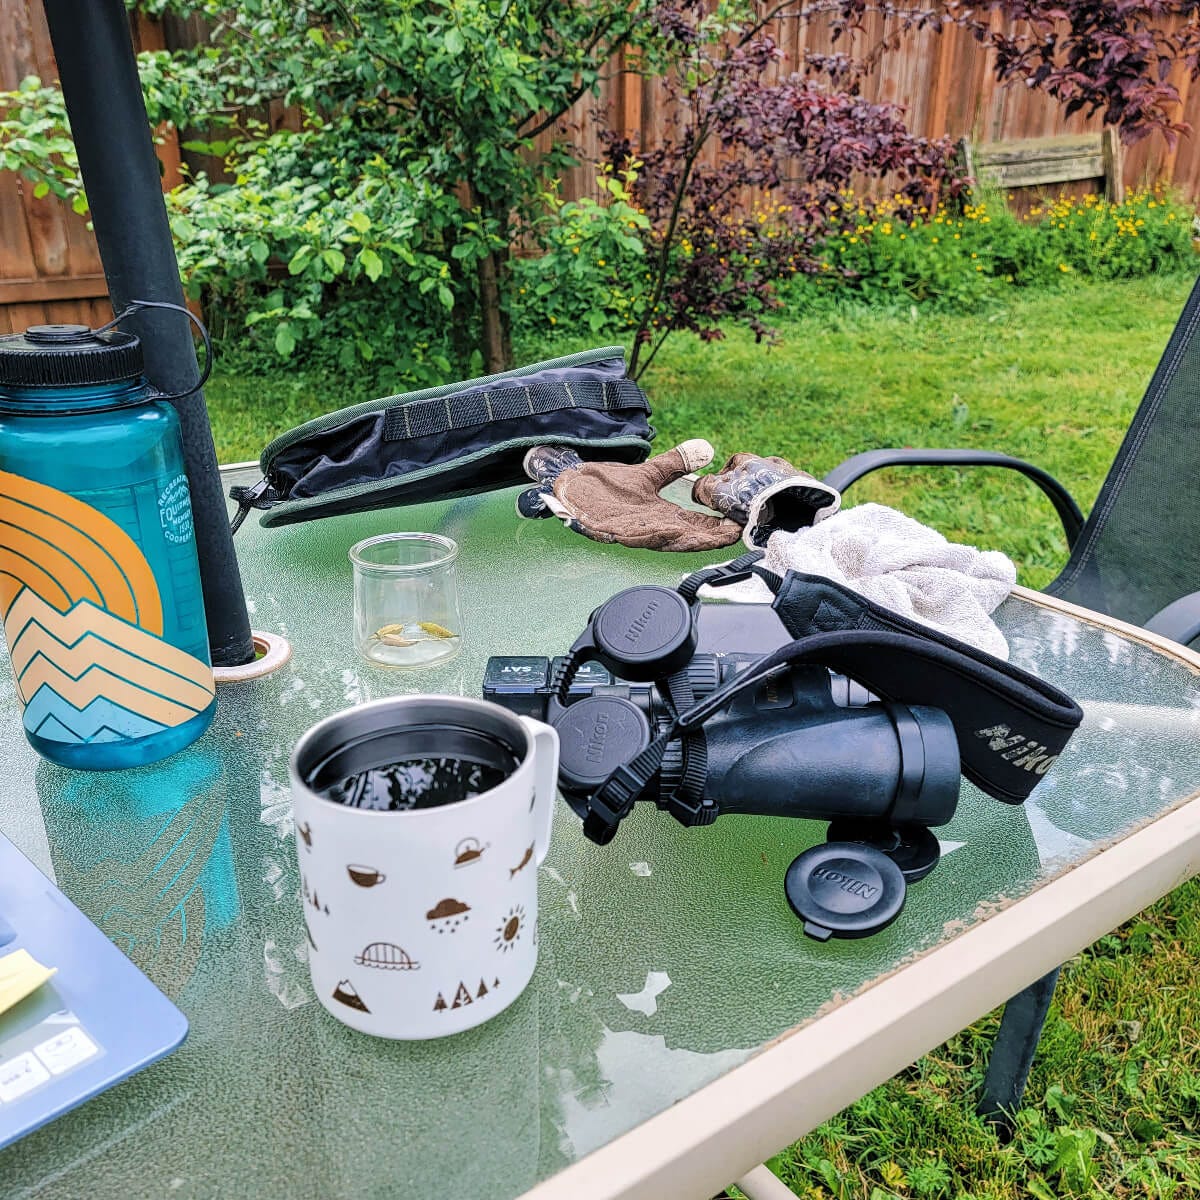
107	111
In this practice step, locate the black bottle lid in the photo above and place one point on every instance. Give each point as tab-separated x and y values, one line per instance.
845	890
53	356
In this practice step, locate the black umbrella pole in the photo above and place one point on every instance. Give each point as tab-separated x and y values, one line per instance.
124	189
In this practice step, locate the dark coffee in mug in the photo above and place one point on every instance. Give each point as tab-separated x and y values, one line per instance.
424	766
418	783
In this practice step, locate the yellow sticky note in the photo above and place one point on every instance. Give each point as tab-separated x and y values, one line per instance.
20	974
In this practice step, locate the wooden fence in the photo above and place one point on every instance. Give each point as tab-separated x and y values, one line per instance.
50	271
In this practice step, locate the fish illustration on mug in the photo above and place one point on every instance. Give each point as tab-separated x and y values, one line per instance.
525	858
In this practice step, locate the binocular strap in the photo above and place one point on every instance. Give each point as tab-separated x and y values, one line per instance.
1011	725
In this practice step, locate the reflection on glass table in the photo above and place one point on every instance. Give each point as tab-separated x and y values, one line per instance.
668	959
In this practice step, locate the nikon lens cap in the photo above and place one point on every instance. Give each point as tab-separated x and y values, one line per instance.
644	633
596	735
845	890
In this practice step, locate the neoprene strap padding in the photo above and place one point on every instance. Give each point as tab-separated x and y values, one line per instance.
1011	725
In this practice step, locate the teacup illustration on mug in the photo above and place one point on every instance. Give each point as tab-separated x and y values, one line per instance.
365	877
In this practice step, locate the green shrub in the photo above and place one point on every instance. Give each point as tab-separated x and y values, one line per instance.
593	266
345	269
960	258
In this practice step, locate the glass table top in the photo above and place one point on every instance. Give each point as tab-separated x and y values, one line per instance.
666	958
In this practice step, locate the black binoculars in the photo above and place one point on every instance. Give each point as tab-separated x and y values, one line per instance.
711	709
802	743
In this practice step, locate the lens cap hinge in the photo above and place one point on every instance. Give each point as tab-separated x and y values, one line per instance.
913	848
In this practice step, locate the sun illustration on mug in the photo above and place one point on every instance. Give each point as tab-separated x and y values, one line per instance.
508	932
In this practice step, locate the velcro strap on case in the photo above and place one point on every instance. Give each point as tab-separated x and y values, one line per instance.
482	406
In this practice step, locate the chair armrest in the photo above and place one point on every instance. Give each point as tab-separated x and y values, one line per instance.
843	475
1179	621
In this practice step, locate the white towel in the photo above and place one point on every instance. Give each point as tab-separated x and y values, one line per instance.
898	563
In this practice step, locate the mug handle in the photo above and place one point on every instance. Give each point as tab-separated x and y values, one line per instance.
545	782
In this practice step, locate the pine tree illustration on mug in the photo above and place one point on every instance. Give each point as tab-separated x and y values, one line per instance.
462	996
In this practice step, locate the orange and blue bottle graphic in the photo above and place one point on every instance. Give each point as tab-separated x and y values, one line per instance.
99	584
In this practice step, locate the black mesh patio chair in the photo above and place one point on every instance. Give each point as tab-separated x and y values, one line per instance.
1136	557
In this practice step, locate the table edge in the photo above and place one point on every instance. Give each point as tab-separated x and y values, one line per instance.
1132	633
810	1073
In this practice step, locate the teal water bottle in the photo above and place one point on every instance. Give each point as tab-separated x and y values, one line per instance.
99	581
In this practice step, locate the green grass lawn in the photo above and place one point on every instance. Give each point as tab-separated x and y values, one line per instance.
1113	1107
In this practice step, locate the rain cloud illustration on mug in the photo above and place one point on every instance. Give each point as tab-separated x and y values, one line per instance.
447	915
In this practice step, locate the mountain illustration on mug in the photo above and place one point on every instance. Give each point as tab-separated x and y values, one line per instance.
347	995
365	877
446	915
468	851
386	956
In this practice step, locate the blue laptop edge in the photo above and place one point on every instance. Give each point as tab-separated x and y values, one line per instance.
98	1021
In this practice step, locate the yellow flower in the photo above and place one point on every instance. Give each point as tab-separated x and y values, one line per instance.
599	262
1063	267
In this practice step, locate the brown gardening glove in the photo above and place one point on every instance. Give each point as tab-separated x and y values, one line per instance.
614	502
766	494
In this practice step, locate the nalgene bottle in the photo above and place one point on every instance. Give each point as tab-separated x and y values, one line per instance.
99	582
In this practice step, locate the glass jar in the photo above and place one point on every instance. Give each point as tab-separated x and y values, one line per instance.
99	580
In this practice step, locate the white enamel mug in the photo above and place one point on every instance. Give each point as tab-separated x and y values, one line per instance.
423	922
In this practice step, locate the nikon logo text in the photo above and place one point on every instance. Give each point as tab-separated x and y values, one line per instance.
595	746
856	887
1018	749
638	627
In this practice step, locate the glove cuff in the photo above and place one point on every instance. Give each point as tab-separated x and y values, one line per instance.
790	504
696	453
